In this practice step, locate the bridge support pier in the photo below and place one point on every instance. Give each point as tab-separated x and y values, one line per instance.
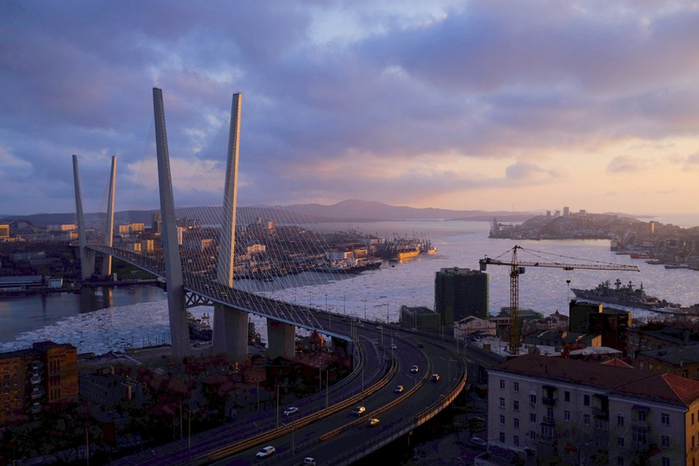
231	332
281	338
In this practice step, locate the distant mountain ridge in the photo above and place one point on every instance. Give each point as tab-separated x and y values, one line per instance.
345	211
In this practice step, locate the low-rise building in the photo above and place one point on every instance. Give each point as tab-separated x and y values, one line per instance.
562	411
472	325
656	336
678	360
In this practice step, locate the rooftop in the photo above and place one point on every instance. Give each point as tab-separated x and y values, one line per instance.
630	382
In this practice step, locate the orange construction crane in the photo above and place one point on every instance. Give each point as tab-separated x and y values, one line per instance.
517	268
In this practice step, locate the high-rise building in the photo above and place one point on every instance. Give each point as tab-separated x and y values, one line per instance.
460	293
156	223
36	377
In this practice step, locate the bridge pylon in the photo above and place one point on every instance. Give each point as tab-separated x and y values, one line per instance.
230	325
109	229
177	310
87	257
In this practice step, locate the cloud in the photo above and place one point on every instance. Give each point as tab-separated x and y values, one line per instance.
385	84
527	172
625	164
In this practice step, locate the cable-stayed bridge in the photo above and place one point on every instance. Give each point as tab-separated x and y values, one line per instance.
206	278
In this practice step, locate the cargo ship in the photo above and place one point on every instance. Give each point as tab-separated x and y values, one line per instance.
349	266
407	253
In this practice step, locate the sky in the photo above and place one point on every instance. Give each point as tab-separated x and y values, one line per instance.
470	105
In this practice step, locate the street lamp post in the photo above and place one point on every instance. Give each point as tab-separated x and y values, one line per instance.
364	308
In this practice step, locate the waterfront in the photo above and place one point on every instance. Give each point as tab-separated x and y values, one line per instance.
139	316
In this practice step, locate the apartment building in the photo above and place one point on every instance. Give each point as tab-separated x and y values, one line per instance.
36	377
545	410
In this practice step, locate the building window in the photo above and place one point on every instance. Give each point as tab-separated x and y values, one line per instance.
516	440
566	415
502	420
532	400
586	400
666	441
639	436
620	441
502	402
515	405
692	418
502	437
546	431
502	384
666	461
516	423
586	419
620	419
641	415
532	417
619	461
665	419
532	435
566	396
516	386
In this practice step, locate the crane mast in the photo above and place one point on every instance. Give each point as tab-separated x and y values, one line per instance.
518	267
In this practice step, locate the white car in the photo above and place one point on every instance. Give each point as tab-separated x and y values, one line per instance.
478	441
290	411
414	369
266	451
394	347
309	461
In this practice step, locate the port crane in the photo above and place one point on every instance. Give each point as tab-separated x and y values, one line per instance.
517	268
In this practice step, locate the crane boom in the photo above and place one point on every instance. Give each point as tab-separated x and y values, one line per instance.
518	267
560	265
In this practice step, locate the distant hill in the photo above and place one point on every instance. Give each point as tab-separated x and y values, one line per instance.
345	211
371	211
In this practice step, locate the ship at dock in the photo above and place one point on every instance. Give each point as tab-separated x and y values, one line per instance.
622	295
401	249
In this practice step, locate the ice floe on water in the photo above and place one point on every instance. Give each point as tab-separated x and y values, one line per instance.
114	329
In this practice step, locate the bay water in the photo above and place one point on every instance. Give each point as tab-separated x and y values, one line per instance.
138	316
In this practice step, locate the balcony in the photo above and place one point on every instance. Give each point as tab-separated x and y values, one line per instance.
549	420
600	413
36	407
36	379
549	401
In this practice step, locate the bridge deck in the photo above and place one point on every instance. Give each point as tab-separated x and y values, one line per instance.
210	292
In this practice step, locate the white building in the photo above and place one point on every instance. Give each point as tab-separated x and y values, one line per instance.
549	410
473	325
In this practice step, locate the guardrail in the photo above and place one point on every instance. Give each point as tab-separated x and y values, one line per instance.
354	454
